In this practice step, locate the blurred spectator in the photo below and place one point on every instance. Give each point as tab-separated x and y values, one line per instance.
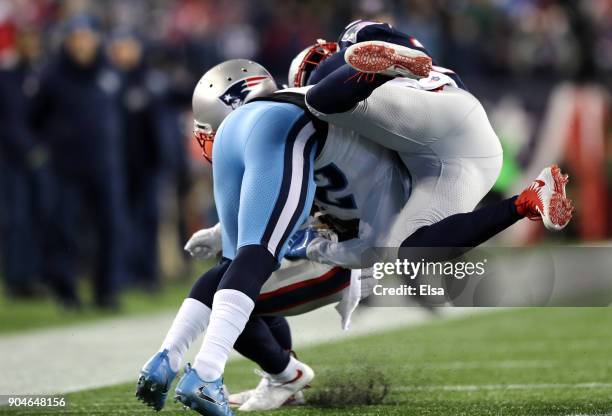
143	139
22	164
76	113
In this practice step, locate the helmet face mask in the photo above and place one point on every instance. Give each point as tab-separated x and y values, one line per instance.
221	90
307	60
205	136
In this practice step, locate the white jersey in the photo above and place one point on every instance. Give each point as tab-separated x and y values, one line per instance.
357	179
443	137
350	169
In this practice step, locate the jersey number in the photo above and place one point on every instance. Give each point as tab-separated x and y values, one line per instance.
336	182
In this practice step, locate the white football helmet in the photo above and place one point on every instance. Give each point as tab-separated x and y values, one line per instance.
222	89
307	60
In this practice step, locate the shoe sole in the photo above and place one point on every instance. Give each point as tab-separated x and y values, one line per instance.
560	207
193	405
291	401
235	405
380	58
187	403
150	393
294	400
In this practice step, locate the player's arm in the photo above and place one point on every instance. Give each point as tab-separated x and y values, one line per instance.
205	243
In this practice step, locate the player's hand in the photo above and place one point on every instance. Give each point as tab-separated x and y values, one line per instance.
302	239
205	244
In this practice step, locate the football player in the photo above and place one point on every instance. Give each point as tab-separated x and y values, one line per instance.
265	157
544	199
244	246
441	133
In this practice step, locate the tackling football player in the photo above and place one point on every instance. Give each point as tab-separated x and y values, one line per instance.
440	131
264	174
199	405
537	201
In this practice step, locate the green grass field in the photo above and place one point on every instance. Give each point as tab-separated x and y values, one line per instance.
513	362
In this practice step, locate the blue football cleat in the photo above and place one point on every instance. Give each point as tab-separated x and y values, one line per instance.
208	398
154	381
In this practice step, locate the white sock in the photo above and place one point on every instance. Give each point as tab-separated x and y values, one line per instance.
289	373
230	313
190	321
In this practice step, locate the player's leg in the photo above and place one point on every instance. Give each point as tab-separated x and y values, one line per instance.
194	319
280	330
281	383
457	230
338	87
342	89
260	344
364	31
190	322
461	231
440	189
544	199
296	288
194	314
280	367
400	115
276	195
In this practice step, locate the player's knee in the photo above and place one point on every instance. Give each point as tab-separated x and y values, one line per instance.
249	270
315	99
205	287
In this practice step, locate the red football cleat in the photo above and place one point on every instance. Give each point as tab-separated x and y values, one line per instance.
385	58
545	199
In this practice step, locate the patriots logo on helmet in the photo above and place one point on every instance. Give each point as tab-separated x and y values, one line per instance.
236	93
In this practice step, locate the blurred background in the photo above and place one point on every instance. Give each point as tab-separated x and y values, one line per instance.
101	184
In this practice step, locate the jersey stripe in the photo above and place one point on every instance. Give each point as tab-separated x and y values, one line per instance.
299	210
291	203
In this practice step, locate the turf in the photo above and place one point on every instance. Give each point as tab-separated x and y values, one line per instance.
516	362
